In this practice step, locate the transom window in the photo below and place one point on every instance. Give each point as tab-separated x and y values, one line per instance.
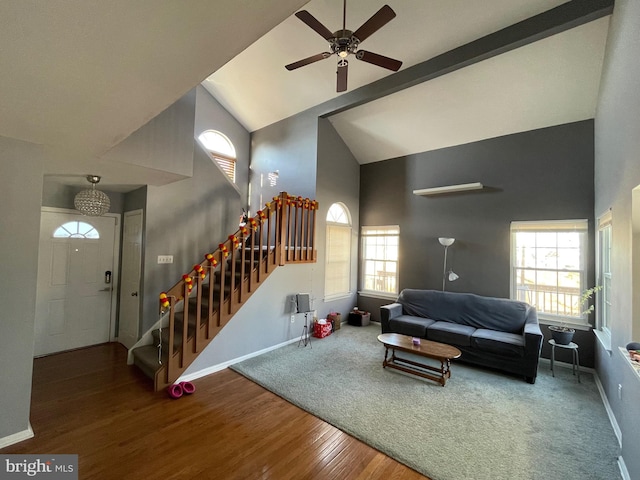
338	259
548	267
221	150
76	229
380	247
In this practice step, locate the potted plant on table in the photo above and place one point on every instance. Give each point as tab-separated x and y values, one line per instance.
563	334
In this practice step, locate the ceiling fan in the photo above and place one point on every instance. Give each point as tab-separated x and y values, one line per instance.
345	42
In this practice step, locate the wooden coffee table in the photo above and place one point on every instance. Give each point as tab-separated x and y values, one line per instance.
437	351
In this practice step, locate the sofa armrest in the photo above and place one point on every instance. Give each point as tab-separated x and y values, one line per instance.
532	334
387	312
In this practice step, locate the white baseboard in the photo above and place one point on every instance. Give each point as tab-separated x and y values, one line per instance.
616	428
607	407
216	368
17	437
623	469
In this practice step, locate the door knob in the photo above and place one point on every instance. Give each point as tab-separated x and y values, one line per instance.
134	294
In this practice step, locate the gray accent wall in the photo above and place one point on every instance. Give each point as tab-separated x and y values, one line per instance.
544	174
617	172
289	147
210	115
338	180
186	219
21	167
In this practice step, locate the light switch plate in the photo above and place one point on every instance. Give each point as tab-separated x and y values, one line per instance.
165	258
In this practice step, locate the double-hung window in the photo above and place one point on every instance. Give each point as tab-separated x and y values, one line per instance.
380	248
338	258
548	267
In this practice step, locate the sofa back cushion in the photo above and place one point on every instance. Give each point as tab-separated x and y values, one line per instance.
465	308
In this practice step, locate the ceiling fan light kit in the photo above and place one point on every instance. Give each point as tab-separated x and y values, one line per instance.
345	42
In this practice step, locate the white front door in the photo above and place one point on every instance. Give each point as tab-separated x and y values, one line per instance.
130	285
75	281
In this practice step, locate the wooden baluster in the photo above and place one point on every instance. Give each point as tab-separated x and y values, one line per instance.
185	325
212	280
232	277
282	224
223	274
172	326
198	311
313	231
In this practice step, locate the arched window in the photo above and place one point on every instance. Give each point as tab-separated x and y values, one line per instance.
76	229
221	150
337	281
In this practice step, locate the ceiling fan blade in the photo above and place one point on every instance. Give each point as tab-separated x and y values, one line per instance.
377	21
379	60
313	22
341	84
307	61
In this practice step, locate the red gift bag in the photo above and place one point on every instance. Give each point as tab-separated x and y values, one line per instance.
321	330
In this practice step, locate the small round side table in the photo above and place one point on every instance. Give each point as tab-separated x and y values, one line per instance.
574	350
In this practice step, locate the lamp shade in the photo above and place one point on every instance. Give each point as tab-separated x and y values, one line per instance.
92	202
446	242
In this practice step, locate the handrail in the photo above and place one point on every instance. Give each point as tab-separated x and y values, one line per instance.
282	232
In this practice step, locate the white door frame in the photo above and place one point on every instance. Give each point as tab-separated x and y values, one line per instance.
115	276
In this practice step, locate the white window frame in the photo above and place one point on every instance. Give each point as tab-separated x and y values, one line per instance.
338	223
224	158
384	233
603	274
579	226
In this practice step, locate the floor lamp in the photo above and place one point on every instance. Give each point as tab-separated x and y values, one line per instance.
446	243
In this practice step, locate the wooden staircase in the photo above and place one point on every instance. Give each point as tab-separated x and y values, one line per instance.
215	289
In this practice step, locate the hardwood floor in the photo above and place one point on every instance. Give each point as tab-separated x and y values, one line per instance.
89	402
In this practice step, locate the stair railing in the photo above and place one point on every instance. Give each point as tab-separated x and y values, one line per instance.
282	232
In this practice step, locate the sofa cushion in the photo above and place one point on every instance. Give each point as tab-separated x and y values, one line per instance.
410	325
502	343
450	333
465	308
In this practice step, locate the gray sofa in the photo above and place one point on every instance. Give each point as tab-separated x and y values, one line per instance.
492	332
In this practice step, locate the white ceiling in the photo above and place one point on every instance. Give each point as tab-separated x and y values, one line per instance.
79	77
550	82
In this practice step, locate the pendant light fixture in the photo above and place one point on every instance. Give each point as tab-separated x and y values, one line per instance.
92	202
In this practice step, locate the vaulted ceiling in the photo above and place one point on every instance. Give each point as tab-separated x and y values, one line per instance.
549	82
81	76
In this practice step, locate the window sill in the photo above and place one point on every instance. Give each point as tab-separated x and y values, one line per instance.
338	296
577	326
635	366
604	339
386	296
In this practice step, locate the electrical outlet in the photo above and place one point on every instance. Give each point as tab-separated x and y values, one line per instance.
165	258
293	318
619	391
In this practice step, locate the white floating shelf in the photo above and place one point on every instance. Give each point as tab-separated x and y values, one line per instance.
449	189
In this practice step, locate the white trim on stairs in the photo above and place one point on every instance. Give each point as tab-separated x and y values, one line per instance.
17	437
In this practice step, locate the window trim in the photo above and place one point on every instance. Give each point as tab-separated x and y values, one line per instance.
602	327
221	159
363	236
579	225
